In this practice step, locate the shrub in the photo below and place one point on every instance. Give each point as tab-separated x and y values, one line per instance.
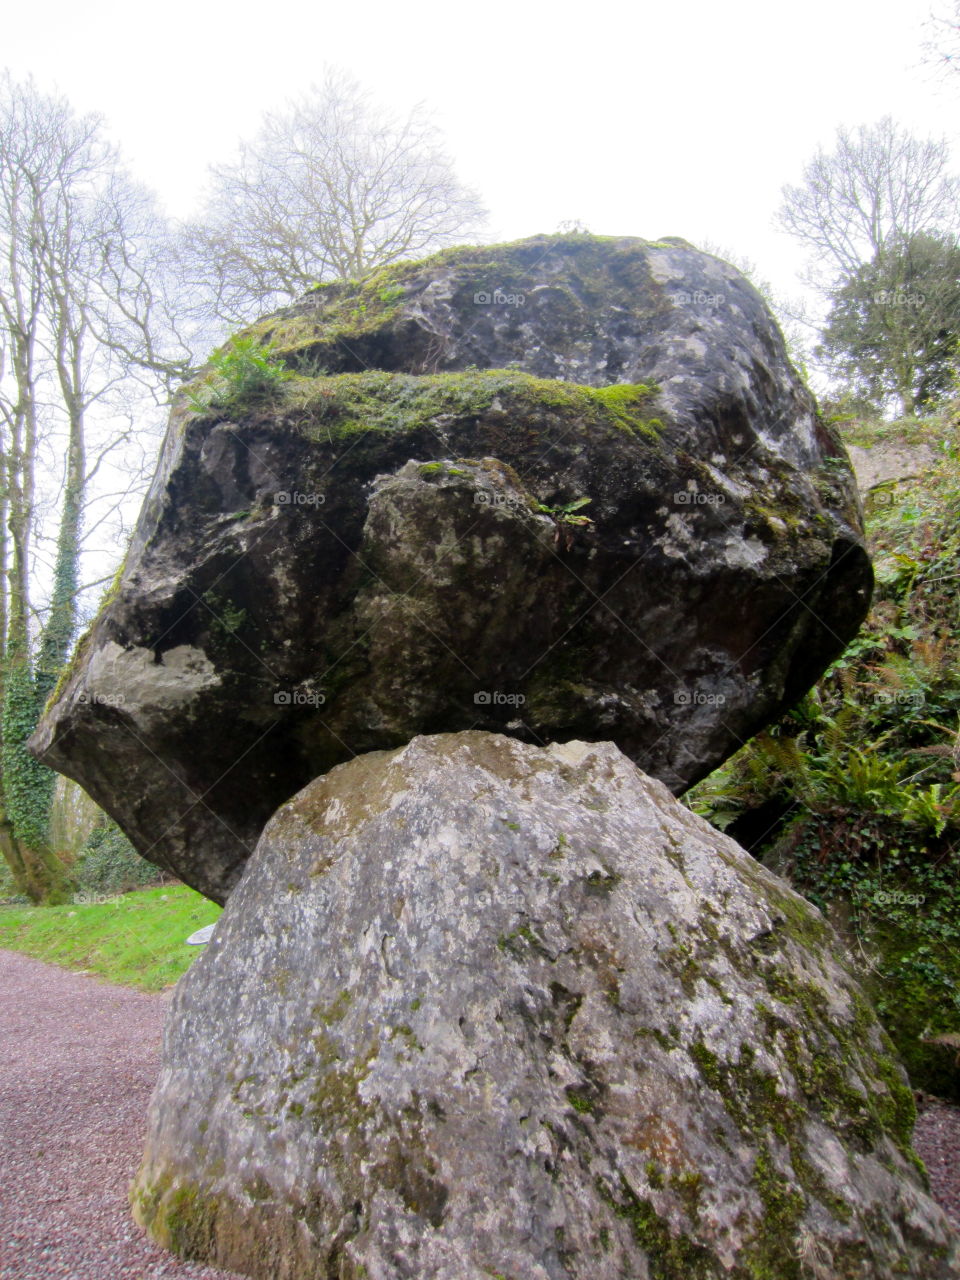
108	863
855	793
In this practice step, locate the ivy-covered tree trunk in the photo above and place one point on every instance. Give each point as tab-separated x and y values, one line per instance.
24	880
60	629
26	788
38	231
29	785
26	785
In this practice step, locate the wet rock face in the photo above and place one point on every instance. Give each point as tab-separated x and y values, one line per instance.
480	1008
663	549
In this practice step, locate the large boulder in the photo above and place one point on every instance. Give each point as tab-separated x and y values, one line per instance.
639	530
480	1009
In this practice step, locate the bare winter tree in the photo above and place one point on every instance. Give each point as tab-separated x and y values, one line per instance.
331	188
942	48
82	308
879	183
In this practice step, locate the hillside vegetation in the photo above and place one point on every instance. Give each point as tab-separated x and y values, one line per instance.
855	794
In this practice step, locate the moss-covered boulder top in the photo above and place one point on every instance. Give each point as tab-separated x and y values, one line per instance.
566	487
595	310
479	1008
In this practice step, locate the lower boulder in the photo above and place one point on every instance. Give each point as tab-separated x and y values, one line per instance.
483	1009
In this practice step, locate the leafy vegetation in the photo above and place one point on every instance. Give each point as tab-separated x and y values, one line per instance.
138	939
243	373
108	863
855	794
28	785
894	324
566	513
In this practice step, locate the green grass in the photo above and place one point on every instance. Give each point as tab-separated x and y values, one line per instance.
137	939
903	432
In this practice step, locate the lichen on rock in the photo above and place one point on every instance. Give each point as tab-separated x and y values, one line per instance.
480	1008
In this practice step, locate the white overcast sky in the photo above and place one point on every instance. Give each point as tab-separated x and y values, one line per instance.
642	119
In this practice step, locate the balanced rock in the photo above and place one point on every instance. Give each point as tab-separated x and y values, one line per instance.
480	1009
570	487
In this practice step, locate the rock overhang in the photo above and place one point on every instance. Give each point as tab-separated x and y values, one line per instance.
666	550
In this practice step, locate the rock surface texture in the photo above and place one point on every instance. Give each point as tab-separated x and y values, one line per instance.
480	1009
569	487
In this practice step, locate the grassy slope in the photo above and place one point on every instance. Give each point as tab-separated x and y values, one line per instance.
137	939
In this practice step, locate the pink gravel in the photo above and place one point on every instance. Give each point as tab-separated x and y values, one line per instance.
78	1059
936	1139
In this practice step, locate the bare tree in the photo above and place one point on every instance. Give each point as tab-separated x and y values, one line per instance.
331	188
81	310
942	49
878	184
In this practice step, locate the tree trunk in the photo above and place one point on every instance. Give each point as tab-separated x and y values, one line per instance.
58	633
37	873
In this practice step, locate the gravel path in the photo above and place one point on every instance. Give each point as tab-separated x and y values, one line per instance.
78	1060
937	1142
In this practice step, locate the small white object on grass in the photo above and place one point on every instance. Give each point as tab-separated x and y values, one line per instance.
201	936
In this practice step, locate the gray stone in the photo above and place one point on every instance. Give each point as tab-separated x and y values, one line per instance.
883	463
481	1009
663	550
